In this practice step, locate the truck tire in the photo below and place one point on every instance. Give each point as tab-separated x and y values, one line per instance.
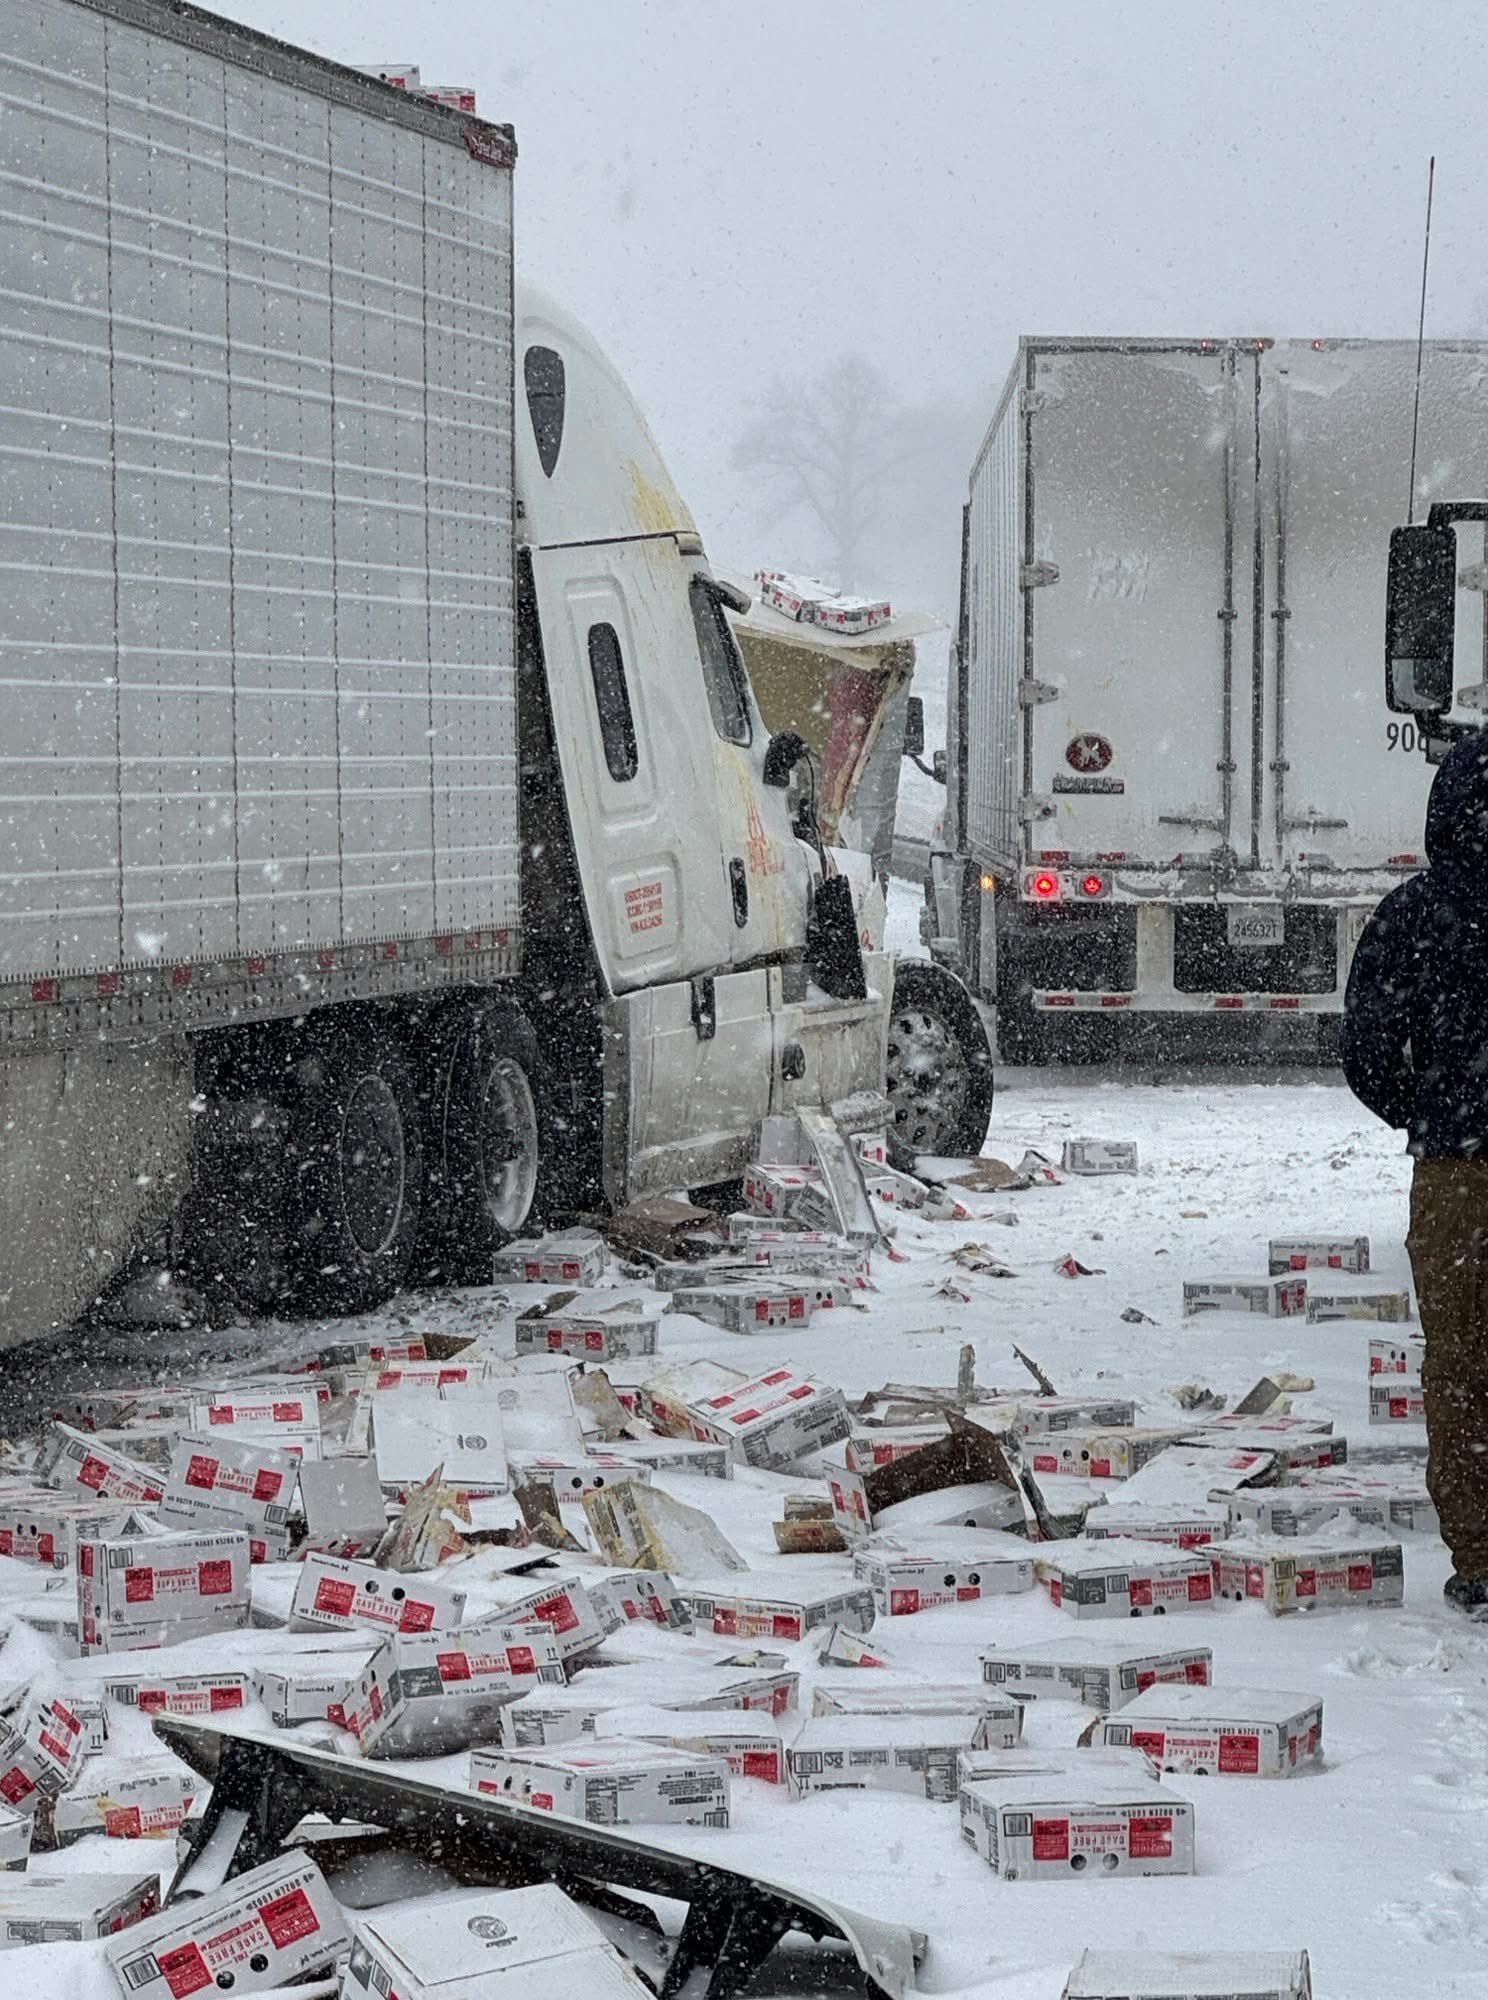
481	1134
939	1070
355	1157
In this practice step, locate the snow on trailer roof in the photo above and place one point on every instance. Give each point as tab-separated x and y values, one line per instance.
768	623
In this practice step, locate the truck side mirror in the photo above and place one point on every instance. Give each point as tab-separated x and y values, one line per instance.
940	765
1420	621
914	727
782	754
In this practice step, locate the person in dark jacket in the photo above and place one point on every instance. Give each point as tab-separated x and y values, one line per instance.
1415	1051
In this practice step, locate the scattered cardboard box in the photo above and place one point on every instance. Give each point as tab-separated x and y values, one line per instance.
1231	1732
1096	1454
232	1483
1222	1975
685	1455
83	1466
749	1307
563	1714
345	1511
158	1688
629	1596
1278	1297
1401	1491
881	1444
774	1602
144	1798
1190	1527
15	1839
950	1566
43	1908
1102	1671
41	1751
1000	1724
337	1594
285	1415
773	1420
458	1430
1099	1156
1053	1828
486	1944
1126	1579
1311	1575
551	1597
751	1744
1396	1399
1294	1446
911	1754
590	1326
42	1527
137	1591
577	1257
610	1782
1384	1304
267	1928
1318	1253
666	1398
1396	1354
842	1648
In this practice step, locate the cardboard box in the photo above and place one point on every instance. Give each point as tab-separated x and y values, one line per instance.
313	1686
1397	1399
1049	1829
590	1326
144	1798
82	1466
842	1648
41	1750
950	1566
1279	1297
1096	1454
486	1944
912	1754
1184	1527
686	1455
442	1693
666	1398
882	1444
1381	1303
42	1528
565	1479
1221	1975
776	1191
1184	1474
772	1603
1396	1354
267	1928
625	1596
1001	1719
1310	1575
335	1594
1101	1671
1318	1253
773	1420
1232	1732
748	1307
554	1715
15	1839
555	1598
1047	1416
284	1415
640	1527
157	1689
1075	1761
458	1428
1291	1450
1099	1156
139	1591
40	1907
610	1782
1126	1579
345	1509
1408	1507
751	1744
222	1482
577	1257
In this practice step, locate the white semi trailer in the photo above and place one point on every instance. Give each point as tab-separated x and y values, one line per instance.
388	835
1172	796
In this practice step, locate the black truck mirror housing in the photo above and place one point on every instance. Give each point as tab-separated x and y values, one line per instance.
914	727
782	754
1420	620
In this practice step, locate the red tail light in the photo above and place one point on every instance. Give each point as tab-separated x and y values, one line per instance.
1093	885
1045	887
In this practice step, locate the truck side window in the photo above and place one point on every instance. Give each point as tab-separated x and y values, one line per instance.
612	699
723	667
542	372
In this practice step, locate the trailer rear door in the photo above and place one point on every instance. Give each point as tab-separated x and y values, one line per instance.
1347	782
1140	481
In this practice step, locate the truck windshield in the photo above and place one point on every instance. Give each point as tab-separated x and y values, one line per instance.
723	668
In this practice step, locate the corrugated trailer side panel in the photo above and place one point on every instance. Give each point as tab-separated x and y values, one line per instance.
257	637
995	635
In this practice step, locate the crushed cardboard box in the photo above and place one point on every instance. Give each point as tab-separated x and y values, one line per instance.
639	1526
610	1782
1230	1732
1102	1671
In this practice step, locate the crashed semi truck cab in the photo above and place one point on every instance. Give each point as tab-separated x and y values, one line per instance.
1173	802
389	839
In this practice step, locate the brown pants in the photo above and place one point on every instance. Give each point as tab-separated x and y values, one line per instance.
1448	1246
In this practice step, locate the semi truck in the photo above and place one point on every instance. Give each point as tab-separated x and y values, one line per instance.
1170	801
390	846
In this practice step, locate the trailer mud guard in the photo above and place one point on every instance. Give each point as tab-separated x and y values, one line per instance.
263	1786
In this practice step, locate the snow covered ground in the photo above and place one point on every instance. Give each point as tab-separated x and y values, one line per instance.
1377	1863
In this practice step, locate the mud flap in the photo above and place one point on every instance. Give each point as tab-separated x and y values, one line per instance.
263	1786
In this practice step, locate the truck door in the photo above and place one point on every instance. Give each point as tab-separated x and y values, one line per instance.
1136	603
1348	785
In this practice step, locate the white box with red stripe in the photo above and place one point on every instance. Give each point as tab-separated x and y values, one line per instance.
1102	1671
610	1782
1208	1975
335	1594
1282	1297
1070	1827
773	1420
1126	1579
264	1929
231	1483
155	1590
1318	1253
1310	1575
951	1566
1226	1732
1096	1453
1397	1399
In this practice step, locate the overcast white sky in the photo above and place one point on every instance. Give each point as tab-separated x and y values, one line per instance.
731	191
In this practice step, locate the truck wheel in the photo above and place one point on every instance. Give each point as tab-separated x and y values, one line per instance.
356	1161
482	1137
939	1070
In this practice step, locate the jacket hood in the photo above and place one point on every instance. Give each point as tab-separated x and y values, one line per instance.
1457	814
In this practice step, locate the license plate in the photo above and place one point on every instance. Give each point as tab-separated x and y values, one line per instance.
1254	926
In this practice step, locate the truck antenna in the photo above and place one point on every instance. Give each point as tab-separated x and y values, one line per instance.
1410	514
